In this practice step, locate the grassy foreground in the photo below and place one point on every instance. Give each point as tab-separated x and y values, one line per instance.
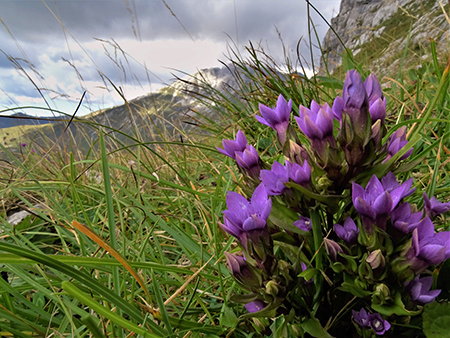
124	241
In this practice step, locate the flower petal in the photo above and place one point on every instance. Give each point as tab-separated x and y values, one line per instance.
383	203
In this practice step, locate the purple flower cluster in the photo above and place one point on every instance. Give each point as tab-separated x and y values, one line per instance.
381	240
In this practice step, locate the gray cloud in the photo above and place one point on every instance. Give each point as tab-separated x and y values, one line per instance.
41	39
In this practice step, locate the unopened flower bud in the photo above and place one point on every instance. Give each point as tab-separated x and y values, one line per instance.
296	153
376	260
332	248
243	272
272	288
381	295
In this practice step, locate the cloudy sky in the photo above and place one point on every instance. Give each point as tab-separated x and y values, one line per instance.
54	50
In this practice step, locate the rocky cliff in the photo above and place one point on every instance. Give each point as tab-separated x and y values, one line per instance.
377	31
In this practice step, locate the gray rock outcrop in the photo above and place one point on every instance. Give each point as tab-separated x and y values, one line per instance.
376	31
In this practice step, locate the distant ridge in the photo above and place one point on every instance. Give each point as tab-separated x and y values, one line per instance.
21	119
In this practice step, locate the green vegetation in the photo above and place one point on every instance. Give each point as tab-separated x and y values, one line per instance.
123	238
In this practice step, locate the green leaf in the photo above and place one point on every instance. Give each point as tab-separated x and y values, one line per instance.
86	299
313	327
330	82
279	328
228	318
330	200
309	273
436	319
397	308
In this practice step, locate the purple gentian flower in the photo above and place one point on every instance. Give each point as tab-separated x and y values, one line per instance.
377	102
304	223
332	248
377	110
356	102
420	290
244	217
275	178
249	160
361	318
349	232
377	324
403	220
390	183
277	118
375	203
254	306
23	144
434	207
230	147
338	106
427	247
299	174
396	142
317	122
373	88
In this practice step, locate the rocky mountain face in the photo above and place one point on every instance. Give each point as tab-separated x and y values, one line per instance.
376	31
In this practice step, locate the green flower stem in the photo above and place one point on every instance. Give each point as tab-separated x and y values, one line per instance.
318	240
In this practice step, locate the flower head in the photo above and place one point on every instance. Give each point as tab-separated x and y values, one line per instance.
396	142
300	174
338	106
23	144
356	102
377	102
427	247
257	305
375	202
349	232
403	220
275	178
373	88
244	217
434	207
377	324
230	147
317	122
390	183
420	290
377	110
361	318
249	160
277	118
304	223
